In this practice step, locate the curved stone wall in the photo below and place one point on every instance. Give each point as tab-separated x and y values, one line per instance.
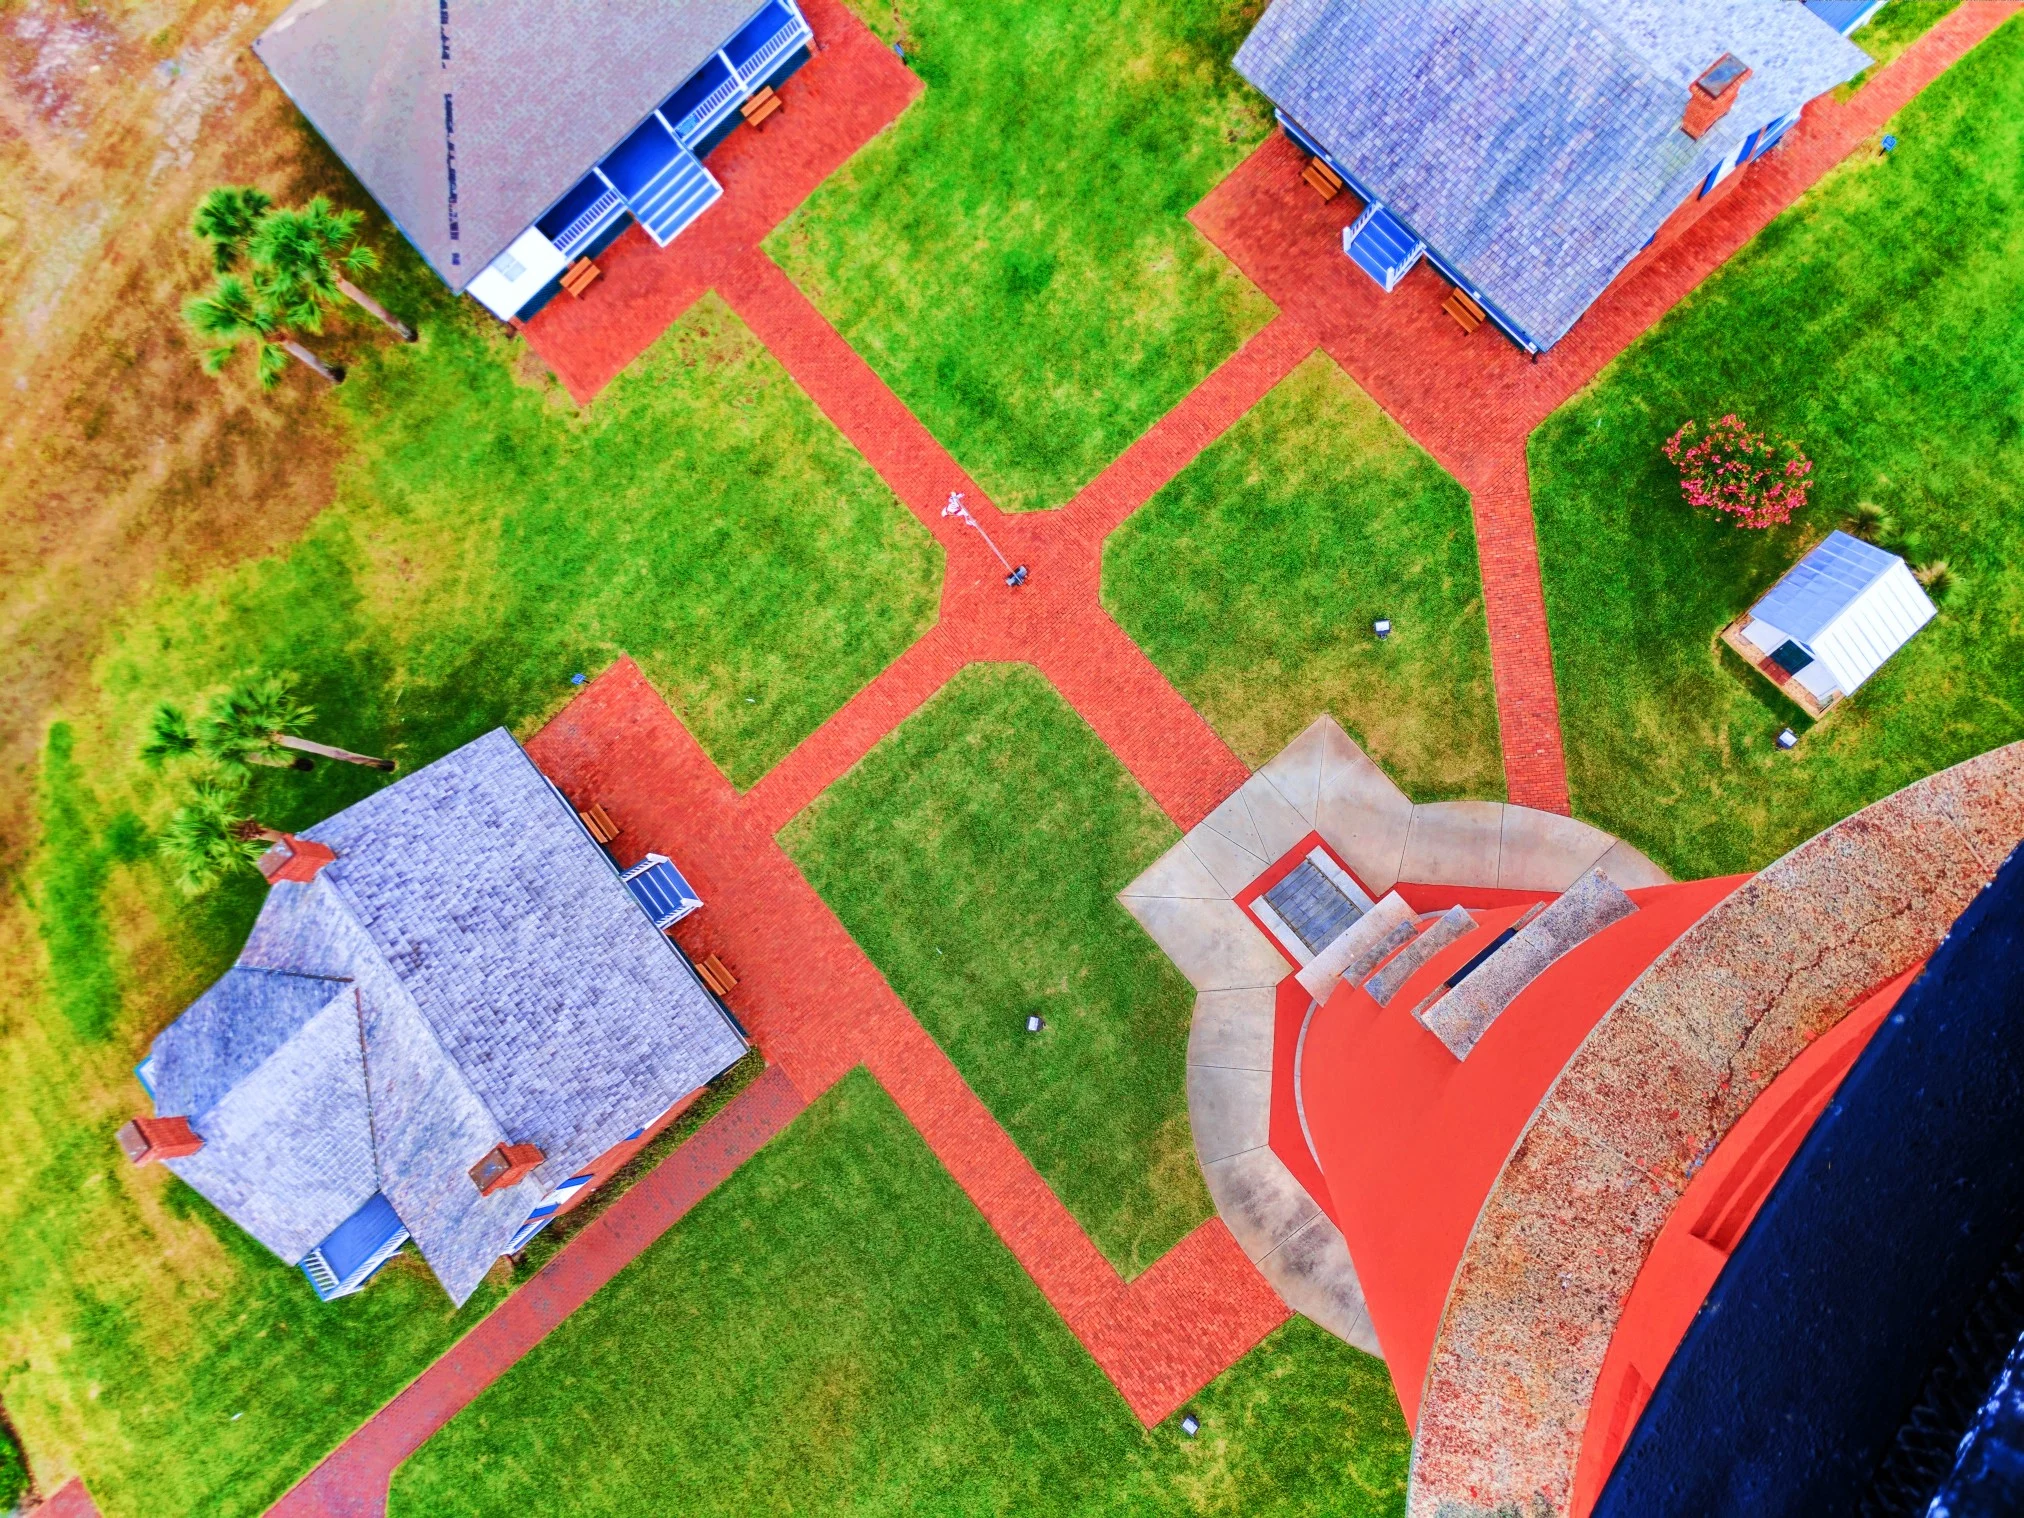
1650	1093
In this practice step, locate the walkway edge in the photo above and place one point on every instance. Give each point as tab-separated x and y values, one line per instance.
352	1481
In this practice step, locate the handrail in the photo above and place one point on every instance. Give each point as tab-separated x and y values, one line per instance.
580	229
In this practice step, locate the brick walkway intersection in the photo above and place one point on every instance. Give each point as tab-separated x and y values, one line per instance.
815	1004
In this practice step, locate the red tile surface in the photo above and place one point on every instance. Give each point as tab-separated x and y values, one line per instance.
352	1481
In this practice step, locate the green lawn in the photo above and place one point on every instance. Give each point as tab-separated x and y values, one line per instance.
976	855
487	541
1012	257
836	1330
1893	29
1881	323
1253	579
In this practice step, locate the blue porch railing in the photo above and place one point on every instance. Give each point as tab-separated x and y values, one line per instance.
744	62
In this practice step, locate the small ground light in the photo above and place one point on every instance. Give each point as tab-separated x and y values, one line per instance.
1788	739
1191	1425
1382	627
1035	1023
578	679
1889	142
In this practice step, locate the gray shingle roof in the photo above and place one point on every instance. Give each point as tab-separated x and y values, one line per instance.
484	977
1534	144
540	91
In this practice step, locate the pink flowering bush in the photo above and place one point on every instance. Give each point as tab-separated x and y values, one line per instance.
1758	479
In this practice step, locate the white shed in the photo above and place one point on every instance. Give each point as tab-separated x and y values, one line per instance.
1838	614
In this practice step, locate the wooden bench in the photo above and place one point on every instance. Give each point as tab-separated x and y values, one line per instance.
1467	314
579	277
1324	181
758	107
599	823
716	975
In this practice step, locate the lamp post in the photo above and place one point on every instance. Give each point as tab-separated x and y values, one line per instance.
1013	576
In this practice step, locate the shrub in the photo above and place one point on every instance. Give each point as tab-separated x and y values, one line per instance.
1758	479
13	1468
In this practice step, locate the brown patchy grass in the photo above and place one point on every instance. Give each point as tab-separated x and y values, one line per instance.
121	464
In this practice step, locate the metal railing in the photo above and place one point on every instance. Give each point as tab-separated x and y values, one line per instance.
580	230
744	78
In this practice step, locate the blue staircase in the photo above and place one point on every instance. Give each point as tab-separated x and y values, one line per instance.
676	196
662	183
1381	247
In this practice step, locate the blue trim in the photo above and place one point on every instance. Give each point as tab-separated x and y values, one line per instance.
141	1074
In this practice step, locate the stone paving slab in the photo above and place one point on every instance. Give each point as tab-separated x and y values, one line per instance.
1321	782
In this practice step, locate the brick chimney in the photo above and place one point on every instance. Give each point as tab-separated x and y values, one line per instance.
296	859
146	1139
1710	96
505	1165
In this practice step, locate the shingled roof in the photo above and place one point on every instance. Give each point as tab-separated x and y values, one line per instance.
467	119
469	971
1536	145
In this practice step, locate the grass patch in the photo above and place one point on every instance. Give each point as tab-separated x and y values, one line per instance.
1253	579
1893	29
836	1330
1013	256
488	541
976	855
79	849
1880	322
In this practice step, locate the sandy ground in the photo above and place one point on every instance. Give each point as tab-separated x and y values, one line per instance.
122	466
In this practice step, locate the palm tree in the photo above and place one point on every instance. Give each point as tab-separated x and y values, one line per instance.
312	249
235	311
259	721
226	220
210	833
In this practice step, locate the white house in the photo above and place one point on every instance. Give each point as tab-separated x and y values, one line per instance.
1834	619
507	138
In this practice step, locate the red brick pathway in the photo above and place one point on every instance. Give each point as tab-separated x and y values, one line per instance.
1055	621
71	1500
849	92
1472	401
352	1481
818	1007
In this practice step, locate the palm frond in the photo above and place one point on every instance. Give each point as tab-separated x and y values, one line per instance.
169	737
238	727
272	364
206	836
227	217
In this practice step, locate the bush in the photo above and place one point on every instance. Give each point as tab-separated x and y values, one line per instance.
13	1468
1758	479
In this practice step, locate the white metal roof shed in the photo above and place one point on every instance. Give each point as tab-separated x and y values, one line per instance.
1849	606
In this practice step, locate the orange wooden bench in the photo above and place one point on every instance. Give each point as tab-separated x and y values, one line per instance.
580	276
716	975
599	822
1467	314
759	106
1325	181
